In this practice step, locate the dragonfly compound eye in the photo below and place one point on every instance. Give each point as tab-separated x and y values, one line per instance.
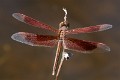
64	23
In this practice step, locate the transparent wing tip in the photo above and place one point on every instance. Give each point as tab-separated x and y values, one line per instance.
21	37
18	37
104	27
103	47
19	16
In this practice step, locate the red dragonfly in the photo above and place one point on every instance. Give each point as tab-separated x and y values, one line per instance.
61	40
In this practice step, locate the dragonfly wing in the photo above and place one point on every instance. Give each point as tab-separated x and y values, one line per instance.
90	29
84	46
33	22
34	39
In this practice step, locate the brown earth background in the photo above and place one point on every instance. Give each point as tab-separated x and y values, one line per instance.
22	62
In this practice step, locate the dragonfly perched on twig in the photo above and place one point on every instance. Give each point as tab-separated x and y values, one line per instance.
62	41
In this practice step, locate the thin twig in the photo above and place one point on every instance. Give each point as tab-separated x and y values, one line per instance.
60	65
65	17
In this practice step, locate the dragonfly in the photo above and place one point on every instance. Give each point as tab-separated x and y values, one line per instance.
61	40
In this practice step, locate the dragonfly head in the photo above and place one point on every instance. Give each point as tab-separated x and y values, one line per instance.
64	24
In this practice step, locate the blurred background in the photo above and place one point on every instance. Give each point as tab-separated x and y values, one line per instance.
22	62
